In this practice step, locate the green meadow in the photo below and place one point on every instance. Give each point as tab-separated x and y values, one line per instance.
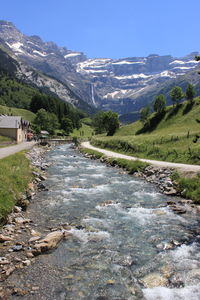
170	137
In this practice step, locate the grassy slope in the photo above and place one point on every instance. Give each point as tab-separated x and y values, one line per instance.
84	132
171	140
26	114
15	174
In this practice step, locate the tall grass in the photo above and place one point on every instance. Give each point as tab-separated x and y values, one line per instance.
15	174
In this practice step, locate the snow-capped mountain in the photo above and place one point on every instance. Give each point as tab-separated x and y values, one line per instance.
46	57
122	85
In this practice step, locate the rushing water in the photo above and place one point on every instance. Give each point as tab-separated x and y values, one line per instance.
121	229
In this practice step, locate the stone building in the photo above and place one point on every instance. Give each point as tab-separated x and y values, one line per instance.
14	127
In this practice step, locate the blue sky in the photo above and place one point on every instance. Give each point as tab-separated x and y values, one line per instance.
110	28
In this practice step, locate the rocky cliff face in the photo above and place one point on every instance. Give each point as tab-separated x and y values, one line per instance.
122	85
47	57
44	65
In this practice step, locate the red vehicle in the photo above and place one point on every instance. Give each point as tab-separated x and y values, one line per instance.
29	136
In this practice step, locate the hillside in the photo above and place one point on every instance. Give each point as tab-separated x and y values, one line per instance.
24	113
19	82
171	139
14	93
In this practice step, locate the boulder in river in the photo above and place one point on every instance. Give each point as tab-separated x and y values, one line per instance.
153	280
49	242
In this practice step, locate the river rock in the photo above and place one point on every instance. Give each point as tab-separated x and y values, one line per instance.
9	271
17	209
31	186
4	238
35	233
17	248
153	280
42	177
26	262
29	254
170	191
159	212
19	292
178	209
48	243
34	239
167	271
23	203
41	187
4	261
21	220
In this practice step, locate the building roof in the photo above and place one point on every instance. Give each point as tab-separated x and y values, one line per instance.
44	132
12	122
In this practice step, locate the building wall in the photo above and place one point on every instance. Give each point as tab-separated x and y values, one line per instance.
17	134
20	135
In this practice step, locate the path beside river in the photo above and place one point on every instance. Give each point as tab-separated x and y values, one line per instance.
185	168
7	151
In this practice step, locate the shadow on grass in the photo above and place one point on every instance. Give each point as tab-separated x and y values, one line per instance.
188	107
152	123
174	111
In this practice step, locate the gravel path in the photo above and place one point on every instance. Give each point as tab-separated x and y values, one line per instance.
185	168
6	151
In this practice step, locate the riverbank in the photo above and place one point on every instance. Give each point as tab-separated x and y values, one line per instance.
18	232
168	180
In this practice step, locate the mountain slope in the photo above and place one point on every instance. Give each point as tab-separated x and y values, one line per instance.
16	69
47	57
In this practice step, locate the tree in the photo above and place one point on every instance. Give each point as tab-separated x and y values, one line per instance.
67	125
197	58
190	92
98	122
106	121
111	122
46	121
176	94
159	104
144	114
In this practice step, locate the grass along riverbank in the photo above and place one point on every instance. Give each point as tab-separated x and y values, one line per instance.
130	166
5	141
15	174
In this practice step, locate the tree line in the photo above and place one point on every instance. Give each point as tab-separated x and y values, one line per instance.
52	113
159	103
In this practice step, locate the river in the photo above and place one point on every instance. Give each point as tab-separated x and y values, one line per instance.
126	243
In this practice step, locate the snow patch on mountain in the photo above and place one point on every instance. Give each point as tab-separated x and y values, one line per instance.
16	47
72	54
125	62
40	53
134	76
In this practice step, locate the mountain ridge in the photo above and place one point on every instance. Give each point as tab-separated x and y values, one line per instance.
122	85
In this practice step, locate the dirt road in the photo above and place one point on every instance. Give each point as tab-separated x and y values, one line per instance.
6	151
185	168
